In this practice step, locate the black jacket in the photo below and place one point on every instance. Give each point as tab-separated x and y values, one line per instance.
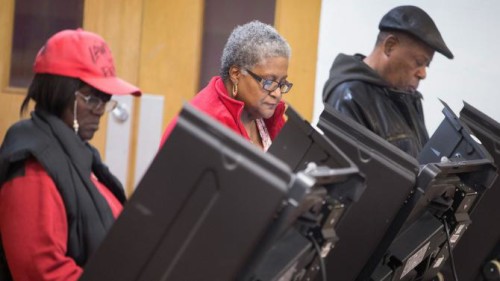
359	92
69	162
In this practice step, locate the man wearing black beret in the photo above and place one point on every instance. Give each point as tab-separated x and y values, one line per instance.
380	90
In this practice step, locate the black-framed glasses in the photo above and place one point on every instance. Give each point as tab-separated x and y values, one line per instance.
95	103
270	85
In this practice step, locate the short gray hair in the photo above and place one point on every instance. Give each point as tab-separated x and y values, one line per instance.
250	44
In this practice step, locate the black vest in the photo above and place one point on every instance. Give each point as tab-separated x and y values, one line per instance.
69	162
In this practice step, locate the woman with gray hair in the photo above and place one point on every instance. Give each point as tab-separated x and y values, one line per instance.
246	97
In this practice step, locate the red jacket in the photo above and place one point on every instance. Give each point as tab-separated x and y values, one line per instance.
216	102
34	226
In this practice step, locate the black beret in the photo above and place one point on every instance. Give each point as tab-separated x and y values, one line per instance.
417	22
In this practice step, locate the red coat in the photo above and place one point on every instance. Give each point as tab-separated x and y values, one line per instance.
34	226
216	102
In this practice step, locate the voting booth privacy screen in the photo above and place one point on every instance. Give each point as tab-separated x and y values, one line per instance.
213	207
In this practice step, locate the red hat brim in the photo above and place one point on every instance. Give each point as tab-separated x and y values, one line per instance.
112	85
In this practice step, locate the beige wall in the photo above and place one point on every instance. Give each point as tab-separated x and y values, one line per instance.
298	22
10	99
171	50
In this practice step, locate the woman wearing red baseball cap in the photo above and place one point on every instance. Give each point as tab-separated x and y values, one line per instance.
57	198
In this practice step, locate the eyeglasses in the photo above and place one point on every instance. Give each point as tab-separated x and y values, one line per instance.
95	103
270	85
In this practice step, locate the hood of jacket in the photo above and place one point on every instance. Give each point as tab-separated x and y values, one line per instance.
348	68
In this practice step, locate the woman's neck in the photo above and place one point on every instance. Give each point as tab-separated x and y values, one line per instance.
246	117
251	129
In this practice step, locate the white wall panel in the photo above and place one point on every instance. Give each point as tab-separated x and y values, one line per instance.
118	139
150	132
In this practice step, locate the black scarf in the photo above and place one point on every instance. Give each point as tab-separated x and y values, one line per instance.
69	162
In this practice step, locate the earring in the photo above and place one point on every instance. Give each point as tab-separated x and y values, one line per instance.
235	90
76	126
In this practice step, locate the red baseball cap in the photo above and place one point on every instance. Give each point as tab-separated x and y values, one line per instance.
83	55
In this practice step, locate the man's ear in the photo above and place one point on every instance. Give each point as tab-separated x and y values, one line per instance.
390	43
234	74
